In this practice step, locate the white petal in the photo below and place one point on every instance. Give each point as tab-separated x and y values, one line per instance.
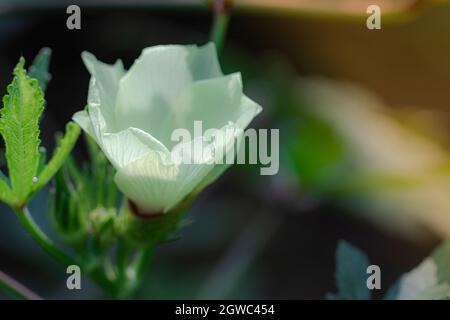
98	122
248	109
231	150
198	151
156	185
83	120
240	117
203	62
120	147
150	88
215	102
128	145
103	85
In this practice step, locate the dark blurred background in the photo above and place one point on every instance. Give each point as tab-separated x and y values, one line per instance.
258	236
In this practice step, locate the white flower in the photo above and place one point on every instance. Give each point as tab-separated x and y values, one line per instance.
131	114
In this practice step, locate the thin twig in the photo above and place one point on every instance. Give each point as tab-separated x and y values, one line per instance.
221	10
16	289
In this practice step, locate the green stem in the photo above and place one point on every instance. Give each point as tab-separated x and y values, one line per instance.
143	261
121	271
129	282
49	246
16	289
41	238
122	259
220	23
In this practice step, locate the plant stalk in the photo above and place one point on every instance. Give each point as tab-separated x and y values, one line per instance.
50	247
221	9
16	289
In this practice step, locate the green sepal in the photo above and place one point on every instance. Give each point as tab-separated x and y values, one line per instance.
102	227
148	231
70	222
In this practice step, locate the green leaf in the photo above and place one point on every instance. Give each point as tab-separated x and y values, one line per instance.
19	126
351	273
39	68
428	281
5	191
63	150
317	154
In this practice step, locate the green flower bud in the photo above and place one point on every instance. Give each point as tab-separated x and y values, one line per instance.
102	226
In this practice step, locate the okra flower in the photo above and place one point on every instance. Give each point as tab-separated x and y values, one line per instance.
132	115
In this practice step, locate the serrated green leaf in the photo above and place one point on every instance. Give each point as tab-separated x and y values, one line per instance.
5	191
19	126
39	68
351	273
65	147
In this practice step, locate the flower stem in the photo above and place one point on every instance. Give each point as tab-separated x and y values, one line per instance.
129	282
41	238
16	289
143	261
49	246
220	23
